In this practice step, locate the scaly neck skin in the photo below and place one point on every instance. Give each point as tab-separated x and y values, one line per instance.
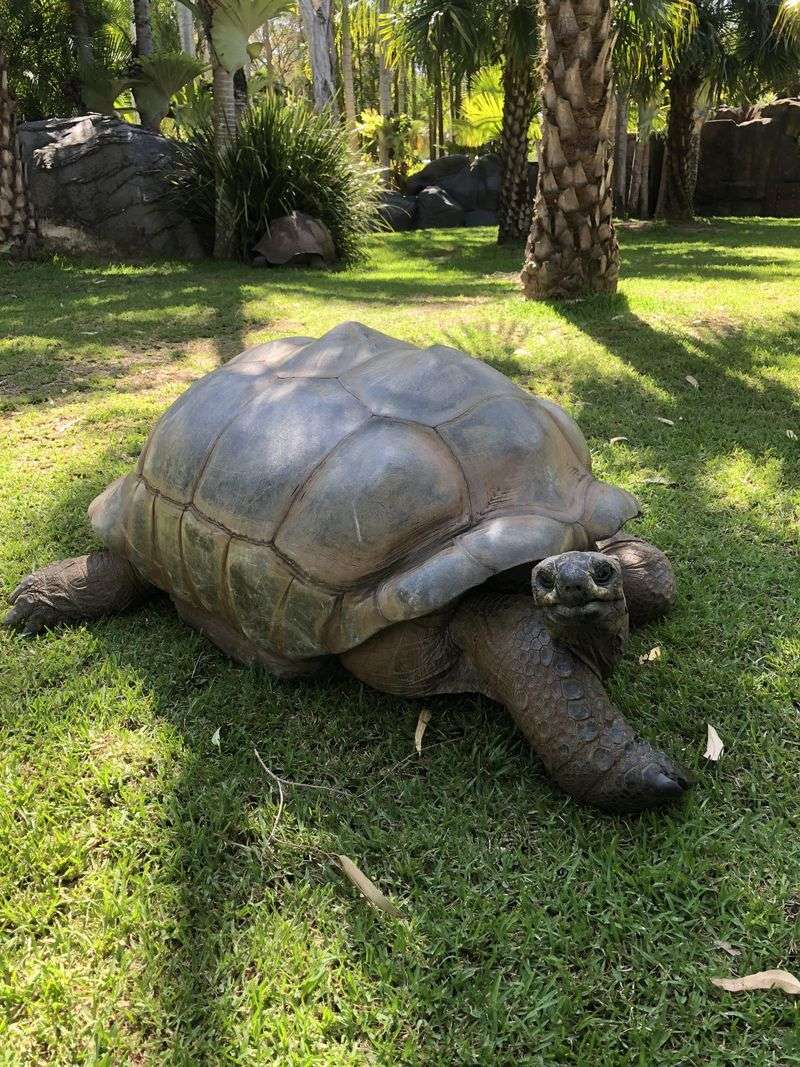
599	643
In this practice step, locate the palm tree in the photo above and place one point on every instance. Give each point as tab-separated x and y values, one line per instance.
17	224
572	249
318	28
185	28
384	92
518	37
446	37
348	89
740	47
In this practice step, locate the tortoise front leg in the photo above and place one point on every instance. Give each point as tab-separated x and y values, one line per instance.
647	576
561	707
85	587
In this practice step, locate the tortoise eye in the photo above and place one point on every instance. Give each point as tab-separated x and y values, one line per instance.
603	572
546	579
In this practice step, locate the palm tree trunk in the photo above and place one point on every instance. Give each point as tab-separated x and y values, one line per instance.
185	28
572	249
641	160
144	30
80	27
384	93
514	206
17	223
644	188
224	129
318	28
439	110
676	198
620	153
143	46
348	90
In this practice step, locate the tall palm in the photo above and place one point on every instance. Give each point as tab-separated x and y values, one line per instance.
739	48
518	39
17	224
572	249
348	87
317	16
444	37
384	91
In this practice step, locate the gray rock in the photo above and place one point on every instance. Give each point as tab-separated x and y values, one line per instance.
99	183
397	212
479	217
463	188
435	171
435	210
485	171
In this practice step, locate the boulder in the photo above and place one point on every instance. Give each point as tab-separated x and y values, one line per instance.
485	170
462	187
397	212
433	172
98	183
435	210
479	217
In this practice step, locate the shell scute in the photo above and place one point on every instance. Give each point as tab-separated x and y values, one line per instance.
430	386
386	490
184	436
337	352
265	455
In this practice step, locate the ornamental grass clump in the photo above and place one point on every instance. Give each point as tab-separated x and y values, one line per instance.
284	157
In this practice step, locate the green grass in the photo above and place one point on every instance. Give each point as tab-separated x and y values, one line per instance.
147	913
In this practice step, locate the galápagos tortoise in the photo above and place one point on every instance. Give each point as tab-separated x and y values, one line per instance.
414	513
296	240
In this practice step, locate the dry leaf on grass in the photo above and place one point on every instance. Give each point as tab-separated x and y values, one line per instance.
215	738
762	980
651	656
658	481
368	888
726	946
422	723
690	378
714	745
791	435
667	422
616	440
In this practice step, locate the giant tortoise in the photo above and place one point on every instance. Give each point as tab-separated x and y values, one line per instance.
410	511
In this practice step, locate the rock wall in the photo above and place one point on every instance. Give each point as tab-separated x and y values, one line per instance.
751	167
97	184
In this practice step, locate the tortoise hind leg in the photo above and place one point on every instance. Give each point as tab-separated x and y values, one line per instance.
84	587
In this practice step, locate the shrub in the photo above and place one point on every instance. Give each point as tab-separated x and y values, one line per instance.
284	158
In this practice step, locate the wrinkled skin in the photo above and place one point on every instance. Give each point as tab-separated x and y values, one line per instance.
542	653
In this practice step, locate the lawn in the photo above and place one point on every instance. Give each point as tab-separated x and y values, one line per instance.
150	910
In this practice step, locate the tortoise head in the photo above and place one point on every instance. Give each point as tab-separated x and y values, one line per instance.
581	596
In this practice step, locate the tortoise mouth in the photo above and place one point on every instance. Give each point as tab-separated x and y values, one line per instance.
590	611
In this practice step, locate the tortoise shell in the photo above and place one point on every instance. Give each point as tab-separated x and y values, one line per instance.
310	493
296	238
